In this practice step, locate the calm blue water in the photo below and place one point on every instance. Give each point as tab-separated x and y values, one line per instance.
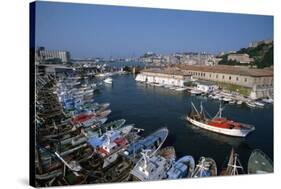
155	107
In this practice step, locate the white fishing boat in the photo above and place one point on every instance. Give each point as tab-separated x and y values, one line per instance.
268	100
251	104
218	124
195	92
239	102
100	75
150	168
216	97
108	80
226	99
232	102
181	89
111	141
259	104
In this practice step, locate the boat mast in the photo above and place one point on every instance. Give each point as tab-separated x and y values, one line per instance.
201	108
195	108
145	158
220	111
219	114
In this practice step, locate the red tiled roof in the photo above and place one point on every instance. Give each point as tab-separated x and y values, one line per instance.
254	72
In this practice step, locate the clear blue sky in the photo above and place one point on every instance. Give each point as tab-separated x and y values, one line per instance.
103	31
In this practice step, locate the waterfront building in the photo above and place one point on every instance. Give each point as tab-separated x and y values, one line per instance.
164	76
252	82
48	56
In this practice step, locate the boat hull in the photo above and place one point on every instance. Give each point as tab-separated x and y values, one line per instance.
229	132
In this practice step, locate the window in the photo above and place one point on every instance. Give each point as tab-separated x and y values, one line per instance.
217	76
237	78
229	77
210	75
245	79
223	77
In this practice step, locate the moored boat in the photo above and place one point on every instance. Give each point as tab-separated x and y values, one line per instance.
259	104
195	92
234	166
150	167
259	163
111	141
206	167
239	102
251	104
268	100
108	80
182	168
153	142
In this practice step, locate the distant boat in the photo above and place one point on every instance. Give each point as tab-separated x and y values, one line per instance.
206	167
251	104
218	124
259	163
259	104
234	166
195	92
226	99
181	89
268	100
232	102
239	102
108	80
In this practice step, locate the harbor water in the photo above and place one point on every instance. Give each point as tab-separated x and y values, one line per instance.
152	107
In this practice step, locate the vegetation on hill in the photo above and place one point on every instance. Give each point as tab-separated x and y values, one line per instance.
262	54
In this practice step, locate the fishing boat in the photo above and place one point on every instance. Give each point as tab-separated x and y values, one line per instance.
268	100
195	92
234	166
259	104
153	142
206	167
226	99
181	89
251	104
89	119
232	102
259	163
168	152
111	141
239	102
108	80
182	168
150	167
218	124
